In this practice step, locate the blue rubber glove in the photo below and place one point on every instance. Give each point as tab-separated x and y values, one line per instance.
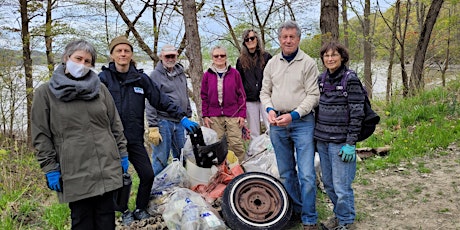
53	180
189	125
124	164
348	153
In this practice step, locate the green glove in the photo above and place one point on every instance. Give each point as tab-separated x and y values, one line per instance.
348	153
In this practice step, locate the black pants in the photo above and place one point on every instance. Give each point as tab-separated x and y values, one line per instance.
139	158
93	213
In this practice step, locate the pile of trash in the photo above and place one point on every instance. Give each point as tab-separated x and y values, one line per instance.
190	196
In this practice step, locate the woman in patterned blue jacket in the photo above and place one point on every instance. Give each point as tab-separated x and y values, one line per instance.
338	123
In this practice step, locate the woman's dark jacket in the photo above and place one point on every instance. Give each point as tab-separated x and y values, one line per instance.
339	118
252	78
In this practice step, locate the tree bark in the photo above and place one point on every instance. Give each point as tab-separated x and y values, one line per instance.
26	56
193	51
49	36
329	20
392	48
447	59
389	90
416	79
345	23
367	49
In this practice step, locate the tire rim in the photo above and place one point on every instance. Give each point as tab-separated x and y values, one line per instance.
259	201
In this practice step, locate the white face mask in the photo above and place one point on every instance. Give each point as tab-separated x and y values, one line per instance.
76	70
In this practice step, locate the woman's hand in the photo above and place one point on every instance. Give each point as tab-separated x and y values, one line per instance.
241	122
207	122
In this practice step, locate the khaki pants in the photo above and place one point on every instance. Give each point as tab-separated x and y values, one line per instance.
230	127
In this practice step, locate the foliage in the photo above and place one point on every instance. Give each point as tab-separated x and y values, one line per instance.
312	46
417	126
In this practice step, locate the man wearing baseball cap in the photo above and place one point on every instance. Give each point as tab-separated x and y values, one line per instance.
165	132
130	87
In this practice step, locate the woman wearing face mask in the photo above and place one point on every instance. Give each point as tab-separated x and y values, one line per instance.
78	137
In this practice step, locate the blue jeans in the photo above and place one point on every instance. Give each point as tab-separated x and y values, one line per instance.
292	142
337	177
173	135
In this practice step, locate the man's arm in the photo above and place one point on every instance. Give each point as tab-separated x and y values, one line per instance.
161	101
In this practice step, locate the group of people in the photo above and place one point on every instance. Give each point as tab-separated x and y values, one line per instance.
86	127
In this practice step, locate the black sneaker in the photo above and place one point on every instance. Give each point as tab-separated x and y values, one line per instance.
140	214
127	218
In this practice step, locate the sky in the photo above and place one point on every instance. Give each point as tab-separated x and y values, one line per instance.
210	19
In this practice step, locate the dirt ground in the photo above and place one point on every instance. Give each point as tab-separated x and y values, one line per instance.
421	194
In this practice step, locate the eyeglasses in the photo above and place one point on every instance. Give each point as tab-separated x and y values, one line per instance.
250	38
170	56
334	55
219	55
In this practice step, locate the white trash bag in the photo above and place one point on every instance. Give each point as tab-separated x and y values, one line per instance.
187	210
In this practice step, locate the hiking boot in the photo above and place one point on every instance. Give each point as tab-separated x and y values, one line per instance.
330	223
140	214
310	227
127	218
345	227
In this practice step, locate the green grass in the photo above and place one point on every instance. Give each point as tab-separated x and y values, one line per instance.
412	127
57	216
416	126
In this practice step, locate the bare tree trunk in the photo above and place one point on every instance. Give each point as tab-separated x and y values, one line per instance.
345	23
447	59
402	47
416	79
329	20
420	9
49	37
389	90
26	56
392	49
193	51
367	49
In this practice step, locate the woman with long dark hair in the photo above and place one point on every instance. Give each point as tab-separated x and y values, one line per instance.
251	64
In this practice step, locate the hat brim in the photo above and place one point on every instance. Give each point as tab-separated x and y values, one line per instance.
170	52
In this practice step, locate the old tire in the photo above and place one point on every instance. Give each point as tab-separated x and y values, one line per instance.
256	200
